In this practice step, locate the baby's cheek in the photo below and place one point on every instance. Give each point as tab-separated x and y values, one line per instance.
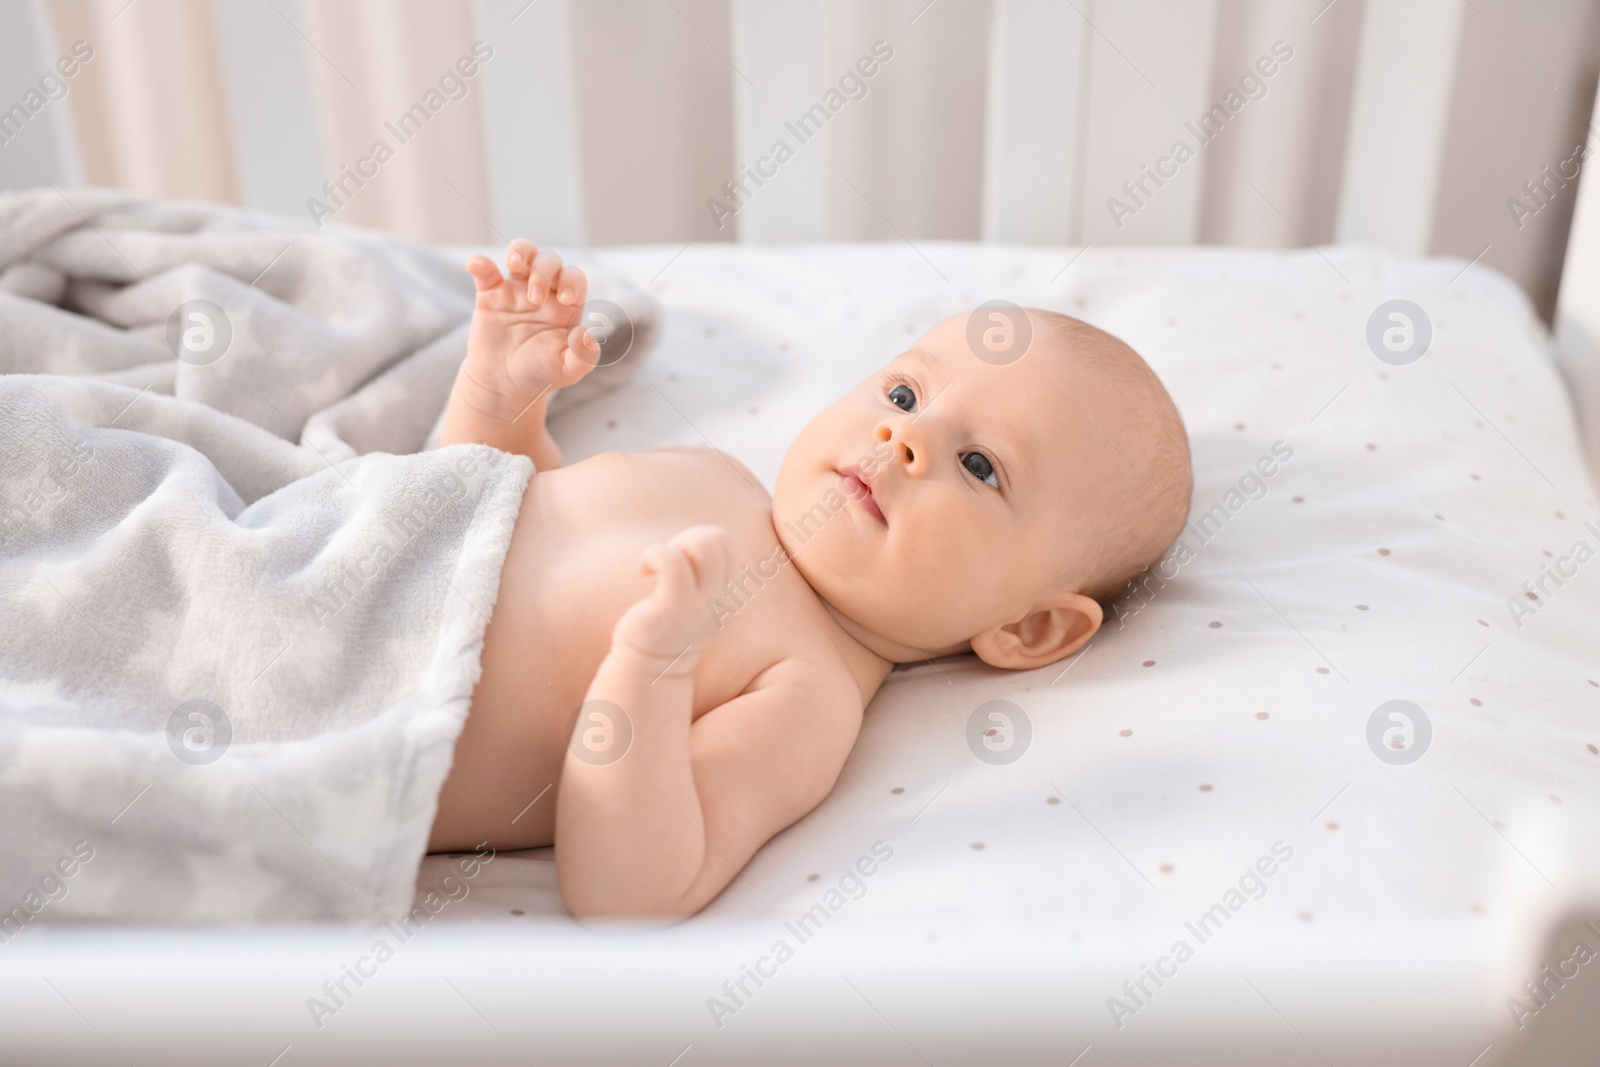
933	571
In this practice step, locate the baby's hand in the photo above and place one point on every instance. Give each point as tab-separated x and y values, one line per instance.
673	623
525	339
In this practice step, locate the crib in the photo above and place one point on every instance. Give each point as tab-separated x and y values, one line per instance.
1099	154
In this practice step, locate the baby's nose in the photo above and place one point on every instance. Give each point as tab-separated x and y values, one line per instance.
898	442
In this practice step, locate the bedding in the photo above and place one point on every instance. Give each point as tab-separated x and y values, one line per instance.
242	634
1363	531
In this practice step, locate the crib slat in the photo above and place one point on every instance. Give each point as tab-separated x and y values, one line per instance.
1398	113
530	121
39	148
783	49
1038	67
272	101
1149	74
1577	320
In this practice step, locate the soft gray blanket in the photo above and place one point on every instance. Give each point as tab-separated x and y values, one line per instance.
240	636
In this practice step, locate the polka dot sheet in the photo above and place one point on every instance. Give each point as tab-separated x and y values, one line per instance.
1372	663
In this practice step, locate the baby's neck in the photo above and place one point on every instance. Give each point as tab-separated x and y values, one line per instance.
871	655
860	652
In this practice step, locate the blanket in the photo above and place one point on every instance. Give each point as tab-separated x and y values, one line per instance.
243	608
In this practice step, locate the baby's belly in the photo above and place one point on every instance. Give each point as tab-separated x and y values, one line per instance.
570	573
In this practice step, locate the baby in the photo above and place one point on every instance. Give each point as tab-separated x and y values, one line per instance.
677	664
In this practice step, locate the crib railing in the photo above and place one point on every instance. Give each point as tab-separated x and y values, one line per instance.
1429	126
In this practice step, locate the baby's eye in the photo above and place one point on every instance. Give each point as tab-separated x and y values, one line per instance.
902	397
979	467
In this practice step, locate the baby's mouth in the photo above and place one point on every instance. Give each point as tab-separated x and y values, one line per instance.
858	489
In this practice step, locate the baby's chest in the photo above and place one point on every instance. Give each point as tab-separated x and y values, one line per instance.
595	520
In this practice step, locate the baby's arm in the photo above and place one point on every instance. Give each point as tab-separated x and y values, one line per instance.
662	830
524	343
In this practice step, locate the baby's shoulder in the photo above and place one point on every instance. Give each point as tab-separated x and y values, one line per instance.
693	453
709	458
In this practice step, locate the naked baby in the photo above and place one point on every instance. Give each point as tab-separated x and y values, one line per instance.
677	664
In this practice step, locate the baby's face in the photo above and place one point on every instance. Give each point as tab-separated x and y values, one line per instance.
946	495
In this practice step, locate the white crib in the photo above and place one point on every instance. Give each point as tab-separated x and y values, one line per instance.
1083	103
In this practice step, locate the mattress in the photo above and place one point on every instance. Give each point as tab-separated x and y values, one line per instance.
1376	519
1226	707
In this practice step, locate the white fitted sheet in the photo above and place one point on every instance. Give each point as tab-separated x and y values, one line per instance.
1464	467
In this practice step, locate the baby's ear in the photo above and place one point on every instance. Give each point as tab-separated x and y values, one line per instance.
1043	636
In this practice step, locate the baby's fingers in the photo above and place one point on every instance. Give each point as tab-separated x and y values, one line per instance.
520	254
542	282
673	573
572	287
485	275
707	550
582	344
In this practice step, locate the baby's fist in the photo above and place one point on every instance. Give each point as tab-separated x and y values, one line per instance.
672	623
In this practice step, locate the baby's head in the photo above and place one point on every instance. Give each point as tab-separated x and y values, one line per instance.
951	501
